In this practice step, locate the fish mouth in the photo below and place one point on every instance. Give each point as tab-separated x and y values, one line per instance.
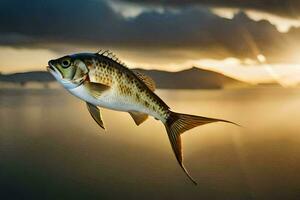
54	71
50	68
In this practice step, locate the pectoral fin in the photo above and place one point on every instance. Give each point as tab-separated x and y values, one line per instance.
95	89
138	117
95	113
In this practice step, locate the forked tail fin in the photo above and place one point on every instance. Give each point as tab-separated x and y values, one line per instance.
177	124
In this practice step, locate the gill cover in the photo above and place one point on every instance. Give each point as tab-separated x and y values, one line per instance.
81	72
75	74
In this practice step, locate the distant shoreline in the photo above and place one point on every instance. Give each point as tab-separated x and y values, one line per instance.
192	78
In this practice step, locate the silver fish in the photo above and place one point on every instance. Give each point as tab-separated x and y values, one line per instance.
102	81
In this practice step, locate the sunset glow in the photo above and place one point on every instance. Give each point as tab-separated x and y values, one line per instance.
256	46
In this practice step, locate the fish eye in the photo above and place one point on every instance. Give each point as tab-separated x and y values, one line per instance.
65	63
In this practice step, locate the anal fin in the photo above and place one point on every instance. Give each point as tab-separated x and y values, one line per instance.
138	117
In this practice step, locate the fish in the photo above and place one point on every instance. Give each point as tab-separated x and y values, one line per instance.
102	81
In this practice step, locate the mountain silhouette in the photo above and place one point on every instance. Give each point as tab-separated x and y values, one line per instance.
192	78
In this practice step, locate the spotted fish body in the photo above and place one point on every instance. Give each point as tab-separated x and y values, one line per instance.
127	92
101	81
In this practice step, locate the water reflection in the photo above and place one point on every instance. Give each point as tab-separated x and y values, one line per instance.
50	147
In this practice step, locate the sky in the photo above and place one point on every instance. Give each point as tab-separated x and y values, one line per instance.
252	40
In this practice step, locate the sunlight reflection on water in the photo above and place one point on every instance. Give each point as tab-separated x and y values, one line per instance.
50	147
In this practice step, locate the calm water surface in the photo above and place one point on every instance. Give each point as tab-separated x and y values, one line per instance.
50	148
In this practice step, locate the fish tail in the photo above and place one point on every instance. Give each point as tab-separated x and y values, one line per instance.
178	123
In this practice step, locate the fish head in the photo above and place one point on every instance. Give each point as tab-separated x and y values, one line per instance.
70	71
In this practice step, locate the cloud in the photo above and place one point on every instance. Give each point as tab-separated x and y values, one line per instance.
55	23
286	8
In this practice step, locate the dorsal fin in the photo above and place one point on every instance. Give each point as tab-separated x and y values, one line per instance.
109	54
146	79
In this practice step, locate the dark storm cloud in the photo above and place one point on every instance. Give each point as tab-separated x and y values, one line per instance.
286	8
56	19
94	23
